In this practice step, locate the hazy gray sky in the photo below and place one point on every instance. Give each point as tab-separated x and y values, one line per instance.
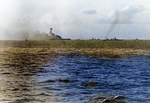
83	19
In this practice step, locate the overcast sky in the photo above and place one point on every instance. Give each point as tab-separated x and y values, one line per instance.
76	19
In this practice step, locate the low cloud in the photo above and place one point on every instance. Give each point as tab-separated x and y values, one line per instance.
126	15
89	11
133	9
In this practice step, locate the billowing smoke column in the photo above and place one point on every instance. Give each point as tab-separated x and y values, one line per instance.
114	23
37	35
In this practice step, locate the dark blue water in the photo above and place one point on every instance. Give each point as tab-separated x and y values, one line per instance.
68	76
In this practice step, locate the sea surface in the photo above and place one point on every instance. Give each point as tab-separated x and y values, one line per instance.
77	79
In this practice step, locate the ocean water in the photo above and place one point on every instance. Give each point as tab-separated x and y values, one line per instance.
76	79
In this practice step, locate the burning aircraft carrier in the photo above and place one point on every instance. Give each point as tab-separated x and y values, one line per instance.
37	35
52	36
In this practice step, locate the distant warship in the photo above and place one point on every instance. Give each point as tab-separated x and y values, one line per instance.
52	36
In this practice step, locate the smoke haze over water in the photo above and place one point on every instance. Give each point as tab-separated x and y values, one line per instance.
75	19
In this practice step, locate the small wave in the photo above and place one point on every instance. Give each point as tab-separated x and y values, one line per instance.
102	99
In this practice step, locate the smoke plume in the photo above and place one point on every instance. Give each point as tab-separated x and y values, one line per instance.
114	23
20	19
